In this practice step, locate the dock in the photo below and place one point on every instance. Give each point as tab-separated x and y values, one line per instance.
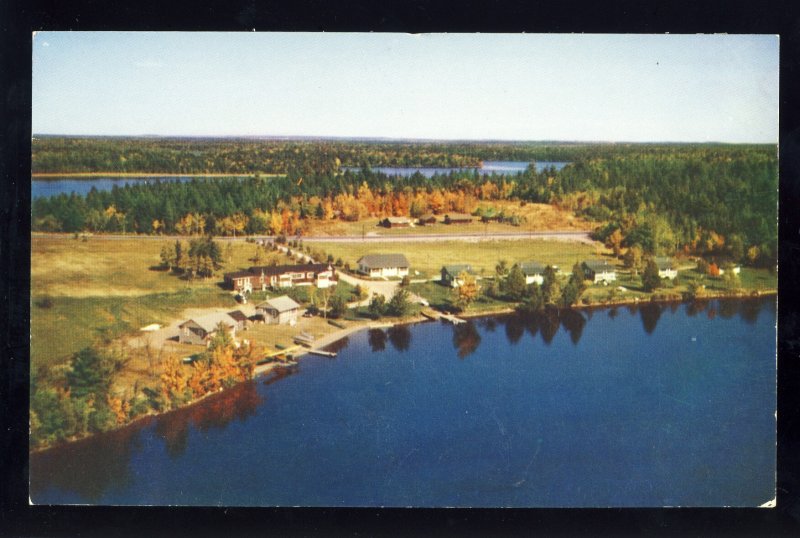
452	319
322	353
435	314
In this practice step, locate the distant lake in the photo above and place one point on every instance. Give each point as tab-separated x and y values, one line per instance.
53	187
651	405
44	188
489	167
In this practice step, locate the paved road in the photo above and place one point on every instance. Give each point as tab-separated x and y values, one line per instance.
581	237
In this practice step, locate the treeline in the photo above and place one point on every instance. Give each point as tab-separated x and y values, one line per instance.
712	200
245	156
53	154
710	203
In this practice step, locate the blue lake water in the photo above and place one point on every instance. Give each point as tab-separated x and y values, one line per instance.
45	188
634	406
489	167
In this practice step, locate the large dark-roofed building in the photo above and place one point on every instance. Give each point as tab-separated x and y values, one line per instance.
380	265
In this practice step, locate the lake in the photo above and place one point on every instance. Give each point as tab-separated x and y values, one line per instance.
45	188
489	167
655	405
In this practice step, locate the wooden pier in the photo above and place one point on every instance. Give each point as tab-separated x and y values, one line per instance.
435	314
452	319
322	353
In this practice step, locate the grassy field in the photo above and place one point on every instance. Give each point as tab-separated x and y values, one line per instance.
427	259
535	218
84	292
103	267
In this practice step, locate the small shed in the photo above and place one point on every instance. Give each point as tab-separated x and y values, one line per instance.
242	321
279	310
200	330
396	222
666	267
457	218
427	219
450	274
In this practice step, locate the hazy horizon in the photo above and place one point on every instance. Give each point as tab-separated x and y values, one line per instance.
398	139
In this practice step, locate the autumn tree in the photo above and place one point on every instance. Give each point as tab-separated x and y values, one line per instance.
467	291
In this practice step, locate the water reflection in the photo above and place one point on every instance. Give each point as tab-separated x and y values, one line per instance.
95	466
573	322
650	313
400	337
515	328
696	307
466	339
89	467
217	411
749	310
338	345
549	323
376	339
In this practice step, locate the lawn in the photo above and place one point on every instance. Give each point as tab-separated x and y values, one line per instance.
103	267
442	298
65	325
89	291
427	258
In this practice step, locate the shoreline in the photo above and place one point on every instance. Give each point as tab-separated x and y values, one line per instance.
336	336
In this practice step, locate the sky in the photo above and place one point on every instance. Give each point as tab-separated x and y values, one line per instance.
570	87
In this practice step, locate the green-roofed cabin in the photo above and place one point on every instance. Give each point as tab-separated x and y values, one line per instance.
599	271
534	272
450	274
666	267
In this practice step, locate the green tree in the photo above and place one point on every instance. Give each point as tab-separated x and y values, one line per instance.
90	374
399	303
534	299
633	259
337	306
551	288
650	278
501	269
377	305
578	278
514	284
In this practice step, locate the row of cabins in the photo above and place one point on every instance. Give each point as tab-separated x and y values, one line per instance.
426	220
321	275
200	330
533	271
595	270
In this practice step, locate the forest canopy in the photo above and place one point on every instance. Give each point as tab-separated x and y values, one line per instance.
664	198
